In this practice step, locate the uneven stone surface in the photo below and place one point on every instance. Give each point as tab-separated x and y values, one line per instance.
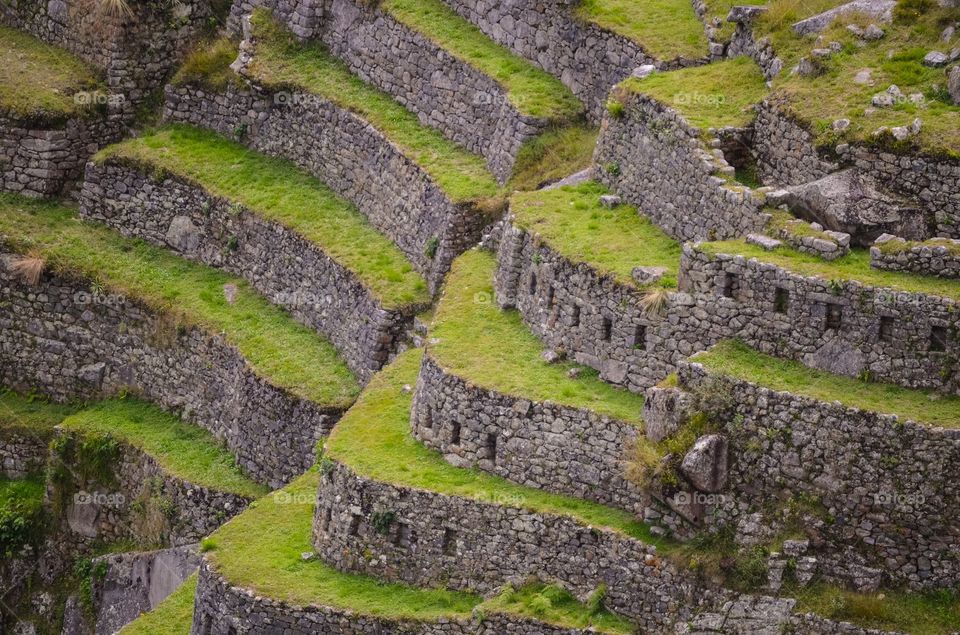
881	10
848	202
318	291
656	161
348	154
936	257
468	106
541	444
50	333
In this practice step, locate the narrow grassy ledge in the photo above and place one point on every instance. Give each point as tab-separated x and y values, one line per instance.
173	616
666	29
289	355
21	515
31	414
934	613
279	191
492	348
855	266
572	222
185	451
894	59
55	79
735	359
374	440
554	155
531	91
712	96
281	62
261	548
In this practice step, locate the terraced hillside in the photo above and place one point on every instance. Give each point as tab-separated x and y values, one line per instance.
480	317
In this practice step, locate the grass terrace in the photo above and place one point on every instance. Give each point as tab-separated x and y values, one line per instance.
530	90
554	155
55	79
282	62
185	451
735	359
279	191
855	266
712	96
374	440
260	549
894	59
31	413
289	355
494	349
173	616
572	221
21	515
666	29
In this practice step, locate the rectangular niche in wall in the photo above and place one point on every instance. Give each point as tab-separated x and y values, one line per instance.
938	339
886	329
834	316
640	336
575	320
449	545
730	286
781	300
606	333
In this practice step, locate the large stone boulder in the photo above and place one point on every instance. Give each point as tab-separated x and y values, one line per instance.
705	465
953	84
849	202
880	10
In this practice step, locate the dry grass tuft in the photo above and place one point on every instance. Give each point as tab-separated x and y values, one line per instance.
29	268
654	301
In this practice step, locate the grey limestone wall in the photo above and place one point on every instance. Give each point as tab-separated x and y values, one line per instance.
594	319
787	154
141	502
587	58
540	444
348	154
655	160
937	257
223	609
428	539
885	485
38	159
844	327
71	342
466	105
136	52
318	290
22	452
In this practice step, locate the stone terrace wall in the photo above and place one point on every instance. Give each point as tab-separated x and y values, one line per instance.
588	59
844	327
223	609
466	105
656	161
570	306
889	484
136	53
557	448
318	291
39	159
22	453
351	157
71	343
786	154
110	512
436	540
936	258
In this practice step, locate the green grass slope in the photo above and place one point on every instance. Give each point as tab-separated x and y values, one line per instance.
666	29
185	451
279	191
735	359
572	222
289	355
173	616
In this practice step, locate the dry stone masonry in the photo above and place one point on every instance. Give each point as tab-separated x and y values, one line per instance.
62	339
320	292
348	154
654	159
938	257
541	444
468	106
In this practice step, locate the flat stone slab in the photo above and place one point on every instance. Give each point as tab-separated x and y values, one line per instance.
880	10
